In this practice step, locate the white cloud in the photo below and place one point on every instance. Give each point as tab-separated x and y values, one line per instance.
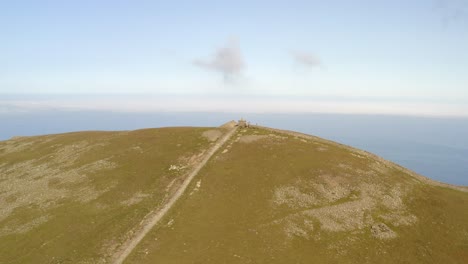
228	60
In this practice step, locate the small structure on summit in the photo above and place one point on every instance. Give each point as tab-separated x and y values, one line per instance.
243	123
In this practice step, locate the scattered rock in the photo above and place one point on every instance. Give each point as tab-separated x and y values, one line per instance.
382	231
292	197
294	230
170	223
339	206
137	148
176	167
197	187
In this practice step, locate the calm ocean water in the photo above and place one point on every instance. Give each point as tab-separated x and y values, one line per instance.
434	147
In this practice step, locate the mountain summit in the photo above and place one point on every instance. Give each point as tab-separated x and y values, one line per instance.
233	194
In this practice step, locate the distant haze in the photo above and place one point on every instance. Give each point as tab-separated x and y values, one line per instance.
235	103
411	55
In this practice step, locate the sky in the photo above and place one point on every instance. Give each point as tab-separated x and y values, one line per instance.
378	57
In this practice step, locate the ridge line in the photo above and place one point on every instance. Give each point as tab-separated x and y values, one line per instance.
415	175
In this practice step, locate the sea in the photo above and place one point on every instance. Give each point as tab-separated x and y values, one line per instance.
434	147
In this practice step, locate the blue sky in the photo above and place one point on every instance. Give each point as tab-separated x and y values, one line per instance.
406	52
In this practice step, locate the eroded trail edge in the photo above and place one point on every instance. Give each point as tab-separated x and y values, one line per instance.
120	256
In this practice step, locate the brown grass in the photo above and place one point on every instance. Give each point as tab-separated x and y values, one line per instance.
73	198
277	197
290	201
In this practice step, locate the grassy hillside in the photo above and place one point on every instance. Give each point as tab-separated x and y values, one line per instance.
266	196
74	198
275	198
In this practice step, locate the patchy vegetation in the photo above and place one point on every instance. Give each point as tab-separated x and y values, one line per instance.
274	197
266	196
76	197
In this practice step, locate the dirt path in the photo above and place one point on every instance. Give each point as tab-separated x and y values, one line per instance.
120	256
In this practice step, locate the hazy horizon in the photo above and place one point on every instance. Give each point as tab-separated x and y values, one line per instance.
235	103
376	57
